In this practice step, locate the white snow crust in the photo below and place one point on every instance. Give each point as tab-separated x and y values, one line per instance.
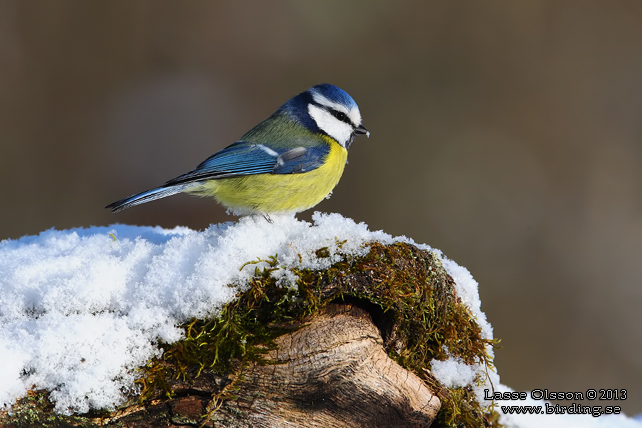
81	309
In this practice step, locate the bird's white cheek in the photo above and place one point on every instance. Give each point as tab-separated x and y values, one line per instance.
335	128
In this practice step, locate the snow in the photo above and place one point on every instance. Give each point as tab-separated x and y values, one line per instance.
81	309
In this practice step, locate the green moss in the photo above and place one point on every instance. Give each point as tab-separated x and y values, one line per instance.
36	411
410	295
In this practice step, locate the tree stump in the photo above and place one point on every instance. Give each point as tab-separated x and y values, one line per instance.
317	355
334	372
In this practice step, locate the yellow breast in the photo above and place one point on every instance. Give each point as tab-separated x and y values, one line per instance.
278	193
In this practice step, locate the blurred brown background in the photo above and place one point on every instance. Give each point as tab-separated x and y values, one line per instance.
507	134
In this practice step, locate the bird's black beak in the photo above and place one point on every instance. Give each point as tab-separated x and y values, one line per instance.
361	130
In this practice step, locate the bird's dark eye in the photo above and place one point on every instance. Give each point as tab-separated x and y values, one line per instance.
341	116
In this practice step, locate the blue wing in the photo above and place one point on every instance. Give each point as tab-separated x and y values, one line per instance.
243	158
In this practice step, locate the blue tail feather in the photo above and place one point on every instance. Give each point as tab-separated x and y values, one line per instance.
147	196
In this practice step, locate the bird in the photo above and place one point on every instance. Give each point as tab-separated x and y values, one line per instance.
284	165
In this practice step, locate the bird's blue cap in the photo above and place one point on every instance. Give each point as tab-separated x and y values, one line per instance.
335	94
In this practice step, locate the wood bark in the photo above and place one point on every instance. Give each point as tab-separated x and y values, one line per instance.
333	372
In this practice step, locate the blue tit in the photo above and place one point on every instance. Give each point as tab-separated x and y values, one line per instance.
286	164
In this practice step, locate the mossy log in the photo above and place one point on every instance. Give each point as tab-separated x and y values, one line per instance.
347	347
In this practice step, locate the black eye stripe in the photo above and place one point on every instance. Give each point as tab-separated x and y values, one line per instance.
341	116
